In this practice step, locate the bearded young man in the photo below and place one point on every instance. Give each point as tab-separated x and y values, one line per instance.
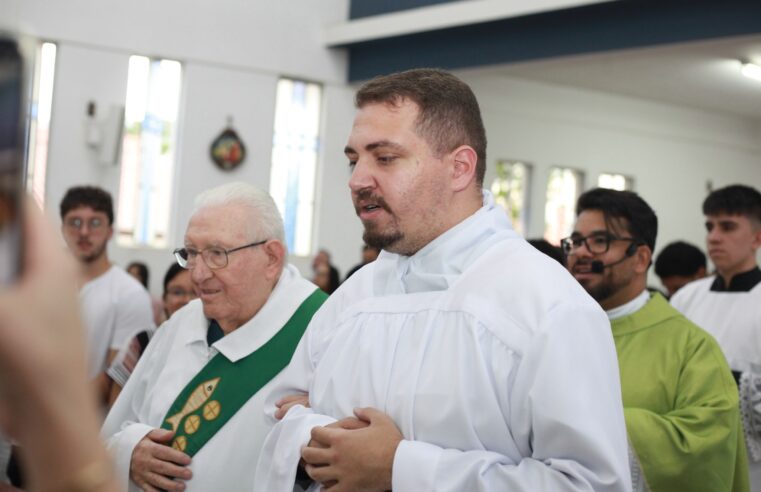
680	404
462	358
114	305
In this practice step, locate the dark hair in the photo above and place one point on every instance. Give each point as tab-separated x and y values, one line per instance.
679	258
545	247
96	198
142	271
335	281
734	200
449	113
173	271
638	217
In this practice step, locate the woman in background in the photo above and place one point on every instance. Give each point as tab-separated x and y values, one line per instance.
178	291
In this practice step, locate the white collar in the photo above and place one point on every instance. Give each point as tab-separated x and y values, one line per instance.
630	307
289	292
439	263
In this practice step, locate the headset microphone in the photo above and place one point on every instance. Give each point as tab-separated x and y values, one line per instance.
598	266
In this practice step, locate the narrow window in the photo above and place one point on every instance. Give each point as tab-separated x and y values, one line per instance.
148	151
612	181
295	146
39	122
511	191
563	188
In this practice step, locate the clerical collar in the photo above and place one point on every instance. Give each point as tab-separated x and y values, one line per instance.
630	307
214	332
742	282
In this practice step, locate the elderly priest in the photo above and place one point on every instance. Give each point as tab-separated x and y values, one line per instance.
190	417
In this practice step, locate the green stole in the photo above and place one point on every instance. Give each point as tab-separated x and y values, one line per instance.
195	417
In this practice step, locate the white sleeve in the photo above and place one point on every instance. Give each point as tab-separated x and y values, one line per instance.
123	429
281	452
134	314
565	414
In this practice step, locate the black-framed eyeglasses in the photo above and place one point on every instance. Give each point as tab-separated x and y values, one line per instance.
596	243
215	257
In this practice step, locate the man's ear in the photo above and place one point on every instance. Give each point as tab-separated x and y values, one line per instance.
465	160
644	257
756	236
275	251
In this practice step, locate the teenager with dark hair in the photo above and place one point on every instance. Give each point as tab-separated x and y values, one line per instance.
678	264
728	305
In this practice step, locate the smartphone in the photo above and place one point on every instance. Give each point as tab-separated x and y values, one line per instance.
12	151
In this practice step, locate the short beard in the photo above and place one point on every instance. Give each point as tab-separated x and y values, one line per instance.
95	256
600	292
377	239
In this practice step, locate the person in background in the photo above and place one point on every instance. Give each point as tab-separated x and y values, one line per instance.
114	305
545	247
46	402
178	291
680	404
728	305
326	275
678	264
140	272
369	255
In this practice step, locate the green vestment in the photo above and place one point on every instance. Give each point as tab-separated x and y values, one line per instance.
680	403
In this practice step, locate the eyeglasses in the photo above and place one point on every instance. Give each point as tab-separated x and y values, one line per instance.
214	257
596	243
76	223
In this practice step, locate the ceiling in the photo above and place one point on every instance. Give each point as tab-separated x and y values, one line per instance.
703	74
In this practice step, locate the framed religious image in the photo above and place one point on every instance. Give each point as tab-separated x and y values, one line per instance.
227	150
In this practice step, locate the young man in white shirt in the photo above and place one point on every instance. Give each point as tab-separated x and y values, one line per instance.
114	305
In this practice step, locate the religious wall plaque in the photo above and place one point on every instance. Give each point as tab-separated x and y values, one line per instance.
228	150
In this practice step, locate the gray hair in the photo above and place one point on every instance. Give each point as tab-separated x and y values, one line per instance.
265	223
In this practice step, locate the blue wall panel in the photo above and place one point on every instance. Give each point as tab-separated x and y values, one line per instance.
595	28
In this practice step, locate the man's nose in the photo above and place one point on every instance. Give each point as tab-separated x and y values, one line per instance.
361	177
200	271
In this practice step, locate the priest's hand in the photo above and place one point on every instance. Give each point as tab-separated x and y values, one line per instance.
354	459
155	465
285	403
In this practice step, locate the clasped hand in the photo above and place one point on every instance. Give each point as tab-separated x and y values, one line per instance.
353	454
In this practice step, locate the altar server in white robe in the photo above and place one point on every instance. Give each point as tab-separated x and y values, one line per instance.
462	359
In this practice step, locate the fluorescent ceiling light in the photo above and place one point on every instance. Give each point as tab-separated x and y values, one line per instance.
751	70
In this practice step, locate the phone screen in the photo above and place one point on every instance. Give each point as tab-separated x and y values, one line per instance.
11	159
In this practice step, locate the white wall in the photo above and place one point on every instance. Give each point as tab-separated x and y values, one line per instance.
671	151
